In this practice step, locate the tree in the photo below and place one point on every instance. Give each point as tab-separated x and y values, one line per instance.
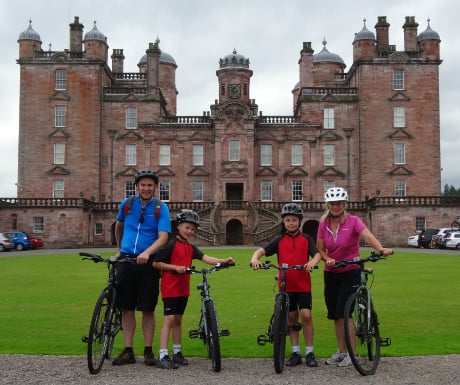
451	191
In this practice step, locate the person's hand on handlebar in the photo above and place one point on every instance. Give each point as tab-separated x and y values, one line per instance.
256	264
310	266
228	261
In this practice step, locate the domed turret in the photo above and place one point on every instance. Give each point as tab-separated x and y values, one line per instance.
234	60
95	34
29	34
364	34
428	42
326	67
326	56
428	34
96	44
363	44
29	42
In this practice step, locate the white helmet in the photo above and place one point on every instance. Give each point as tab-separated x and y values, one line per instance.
335	194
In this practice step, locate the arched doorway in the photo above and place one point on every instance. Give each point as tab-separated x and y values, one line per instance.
234	232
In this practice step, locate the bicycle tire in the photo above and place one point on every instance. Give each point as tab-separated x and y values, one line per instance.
212	335
99	337
115	327
279	332
360	335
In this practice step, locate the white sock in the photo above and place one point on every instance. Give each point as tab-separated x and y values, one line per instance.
163	352
296	349
177	348
309	349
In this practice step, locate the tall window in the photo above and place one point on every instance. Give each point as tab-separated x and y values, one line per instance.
297	155
398	79
329	155
328	184
399	117
98	228
400	188
400	153
198	155
58	188
130	155
131	118
197	191
60	116
266	190
297	190
38	225
165	191
420	223
165	155
61	79
328	118
234	150
130	188
59	153
266	155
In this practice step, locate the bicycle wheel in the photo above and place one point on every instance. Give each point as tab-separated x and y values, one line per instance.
212	335
115	327
99	336
362	333
279	331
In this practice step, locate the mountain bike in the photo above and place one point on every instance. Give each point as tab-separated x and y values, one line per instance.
106	318
278	326
208	326
361	324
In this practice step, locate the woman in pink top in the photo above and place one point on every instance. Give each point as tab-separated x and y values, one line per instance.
339	235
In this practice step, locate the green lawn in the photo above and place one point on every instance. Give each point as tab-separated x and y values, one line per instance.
46	303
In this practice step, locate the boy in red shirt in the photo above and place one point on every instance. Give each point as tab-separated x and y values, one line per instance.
294	248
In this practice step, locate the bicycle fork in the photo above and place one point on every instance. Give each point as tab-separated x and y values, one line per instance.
202	330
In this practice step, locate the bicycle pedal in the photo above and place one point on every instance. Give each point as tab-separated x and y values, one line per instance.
194	334
224	333
84	339
262	340
385	341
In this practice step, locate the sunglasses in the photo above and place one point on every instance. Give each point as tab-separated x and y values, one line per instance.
141	217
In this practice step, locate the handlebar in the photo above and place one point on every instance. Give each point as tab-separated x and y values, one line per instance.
207	270
97	258
373	257
268	265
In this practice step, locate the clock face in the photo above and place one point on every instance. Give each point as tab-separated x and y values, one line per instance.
234	91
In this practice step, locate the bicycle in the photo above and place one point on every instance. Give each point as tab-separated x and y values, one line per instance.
361	324
106	318
208	326
278	326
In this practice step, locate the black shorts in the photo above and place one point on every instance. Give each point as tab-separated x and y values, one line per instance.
337	289
174	305
138	286
298	301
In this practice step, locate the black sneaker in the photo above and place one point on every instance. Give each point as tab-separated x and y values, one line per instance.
149	359
310	360
167	363
126	357
179	359
294	360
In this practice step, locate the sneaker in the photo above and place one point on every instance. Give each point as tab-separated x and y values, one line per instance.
336	358
167	363
126	357
294	360
149	359
346	362
179	359
310	360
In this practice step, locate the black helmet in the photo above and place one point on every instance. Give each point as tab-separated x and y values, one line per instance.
146	173
187	216
292	209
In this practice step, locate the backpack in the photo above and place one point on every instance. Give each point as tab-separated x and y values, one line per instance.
129	202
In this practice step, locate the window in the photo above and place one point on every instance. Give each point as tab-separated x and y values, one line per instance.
329	155
198	152
130	155
98	229
266	155
38	225
59	153
398	79
399	117
130	188
58	188
420	223
197	191
131	118
328	118
61	80
328	184
164	191
266	190
165	155
400	188
400	153
60	116
297	155
297	190
234	150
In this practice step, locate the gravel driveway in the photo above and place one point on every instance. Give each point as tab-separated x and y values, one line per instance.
63	370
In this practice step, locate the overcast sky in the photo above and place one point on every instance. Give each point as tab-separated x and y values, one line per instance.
197	33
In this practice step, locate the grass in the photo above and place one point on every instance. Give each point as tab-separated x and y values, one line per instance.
46	303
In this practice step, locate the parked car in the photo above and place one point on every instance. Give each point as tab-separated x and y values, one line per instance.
426	236
5	242
412	240
439	242
452	240
22	241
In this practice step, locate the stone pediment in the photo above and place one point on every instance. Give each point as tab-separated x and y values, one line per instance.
198	171
330	171
60	96
401	170
330	98
234	169
266	171
398	57
58	170
330	135
399	97
128	171
59	134
400	134
131	98
130	135
165	171
200	136
296	171
59	57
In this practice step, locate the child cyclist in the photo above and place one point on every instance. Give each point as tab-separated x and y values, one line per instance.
173	260
294	248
